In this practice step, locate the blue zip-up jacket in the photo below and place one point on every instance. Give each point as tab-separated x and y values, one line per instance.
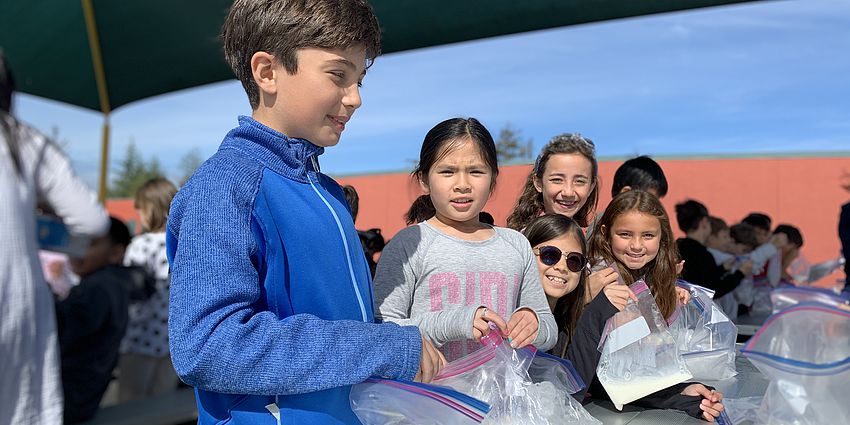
271	297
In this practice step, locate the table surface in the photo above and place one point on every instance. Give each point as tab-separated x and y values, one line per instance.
748	383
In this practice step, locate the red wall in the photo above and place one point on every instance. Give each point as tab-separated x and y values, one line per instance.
804	192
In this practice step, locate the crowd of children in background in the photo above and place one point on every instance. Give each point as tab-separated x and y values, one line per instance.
268	289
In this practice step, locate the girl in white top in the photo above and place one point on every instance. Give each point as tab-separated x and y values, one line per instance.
30	167
145	365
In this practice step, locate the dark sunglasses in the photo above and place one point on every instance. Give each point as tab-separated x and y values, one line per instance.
550	255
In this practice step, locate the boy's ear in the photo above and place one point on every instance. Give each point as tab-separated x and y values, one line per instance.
264	72
625	189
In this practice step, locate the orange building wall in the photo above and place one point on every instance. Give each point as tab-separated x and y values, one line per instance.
804	192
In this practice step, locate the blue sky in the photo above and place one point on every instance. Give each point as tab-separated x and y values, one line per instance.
764	77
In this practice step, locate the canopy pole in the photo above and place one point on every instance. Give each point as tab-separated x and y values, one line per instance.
100	78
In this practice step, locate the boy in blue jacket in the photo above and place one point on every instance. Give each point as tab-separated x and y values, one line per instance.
271	300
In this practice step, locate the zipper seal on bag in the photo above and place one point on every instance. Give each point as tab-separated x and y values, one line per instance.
469	406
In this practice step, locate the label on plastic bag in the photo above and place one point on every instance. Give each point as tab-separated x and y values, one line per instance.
627	334
717	316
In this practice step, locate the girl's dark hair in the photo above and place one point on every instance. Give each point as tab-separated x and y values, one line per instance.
441	141
8	125
660	273
530	202
568	308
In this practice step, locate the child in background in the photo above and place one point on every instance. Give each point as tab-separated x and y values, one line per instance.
700	266
721	246
145	365
450	274
719	242
559	245
640	173
92	320
766	256
791	250
271	303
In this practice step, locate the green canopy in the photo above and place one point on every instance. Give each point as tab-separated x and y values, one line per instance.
102	54
155	46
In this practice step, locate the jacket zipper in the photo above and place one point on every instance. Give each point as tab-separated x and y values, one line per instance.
344	239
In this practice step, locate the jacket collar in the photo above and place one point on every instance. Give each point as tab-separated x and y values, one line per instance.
287	156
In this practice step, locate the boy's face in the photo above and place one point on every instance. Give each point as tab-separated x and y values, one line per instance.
101	253
762	235
720	241
316	102
740	248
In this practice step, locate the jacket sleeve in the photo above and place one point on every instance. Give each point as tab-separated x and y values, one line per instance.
583	350
221	336
672	398
395	283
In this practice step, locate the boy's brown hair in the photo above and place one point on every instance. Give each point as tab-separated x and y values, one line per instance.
282	27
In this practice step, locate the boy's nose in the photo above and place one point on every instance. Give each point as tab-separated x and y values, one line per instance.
352	98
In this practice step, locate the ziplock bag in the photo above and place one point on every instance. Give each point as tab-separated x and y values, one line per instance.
704	335
522	386
639	354
805	353
553	380
380	401
783	298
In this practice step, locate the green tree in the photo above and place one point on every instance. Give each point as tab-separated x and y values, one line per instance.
189	163
133	171
510	146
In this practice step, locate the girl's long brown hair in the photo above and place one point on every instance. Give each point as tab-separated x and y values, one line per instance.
530	203
568	308
660	273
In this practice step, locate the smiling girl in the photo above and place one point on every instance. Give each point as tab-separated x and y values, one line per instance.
450	274
564	181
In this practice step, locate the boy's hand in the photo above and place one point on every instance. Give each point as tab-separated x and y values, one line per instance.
481	323
746	267
779	240
682	295
728	264
598	280
522	328
619	295
430	362
711	400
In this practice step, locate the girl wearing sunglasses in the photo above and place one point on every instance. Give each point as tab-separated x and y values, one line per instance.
558	243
